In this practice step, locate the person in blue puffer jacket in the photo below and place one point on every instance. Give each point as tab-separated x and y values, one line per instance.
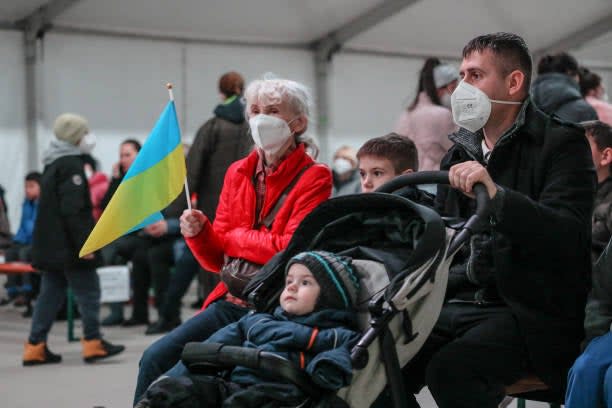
21	288
314	326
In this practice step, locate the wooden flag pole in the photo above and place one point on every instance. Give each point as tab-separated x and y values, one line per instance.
187	195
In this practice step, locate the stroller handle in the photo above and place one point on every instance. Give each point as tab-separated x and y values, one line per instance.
437	177
483	202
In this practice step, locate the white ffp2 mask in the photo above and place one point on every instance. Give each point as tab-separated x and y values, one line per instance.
269	132
471	107
342	165
87	143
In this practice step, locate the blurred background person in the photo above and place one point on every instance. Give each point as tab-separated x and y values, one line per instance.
556	90
98	184
595	94
345	172
428	119
63	223
22	288
5	226
599	136
121	251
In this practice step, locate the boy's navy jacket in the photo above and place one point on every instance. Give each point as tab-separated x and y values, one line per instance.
29	209
327	360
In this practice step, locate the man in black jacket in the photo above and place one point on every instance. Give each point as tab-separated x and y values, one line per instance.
63	223
517	306
556	89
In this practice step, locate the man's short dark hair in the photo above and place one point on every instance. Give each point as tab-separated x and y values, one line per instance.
33	176
510	49
561	62
399	150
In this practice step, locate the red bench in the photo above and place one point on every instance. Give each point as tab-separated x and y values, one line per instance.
15	268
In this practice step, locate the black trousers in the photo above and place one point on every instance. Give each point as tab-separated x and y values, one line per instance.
471	354
151	266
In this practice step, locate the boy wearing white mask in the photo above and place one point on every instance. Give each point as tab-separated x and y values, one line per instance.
264	198
63	223
516	307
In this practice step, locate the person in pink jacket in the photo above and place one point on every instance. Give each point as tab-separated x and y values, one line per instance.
428	119
98	184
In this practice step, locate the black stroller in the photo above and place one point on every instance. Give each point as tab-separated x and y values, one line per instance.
401	251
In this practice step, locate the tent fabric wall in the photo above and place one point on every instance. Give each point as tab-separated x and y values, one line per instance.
118	84
12	122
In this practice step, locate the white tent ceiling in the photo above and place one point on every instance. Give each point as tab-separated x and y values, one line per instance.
409	28
425	27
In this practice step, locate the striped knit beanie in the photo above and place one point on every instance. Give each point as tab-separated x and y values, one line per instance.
334	274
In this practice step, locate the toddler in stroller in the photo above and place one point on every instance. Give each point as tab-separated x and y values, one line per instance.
313	327
400	253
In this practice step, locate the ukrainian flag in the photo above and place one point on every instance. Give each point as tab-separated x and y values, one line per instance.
153	181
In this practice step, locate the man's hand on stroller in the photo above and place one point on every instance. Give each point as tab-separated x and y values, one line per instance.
464	175
192	222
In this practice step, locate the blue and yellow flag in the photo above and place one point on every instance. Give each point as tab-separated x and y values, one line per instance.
153	181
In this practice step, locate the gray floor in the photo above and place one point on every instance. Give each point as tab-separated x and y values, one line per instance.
74	384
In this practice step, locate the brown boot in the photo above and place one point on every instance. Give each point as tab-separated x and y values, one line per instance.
97	349
34	354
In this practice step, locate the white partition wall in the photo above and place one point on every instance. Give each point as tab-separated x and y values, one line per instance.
367	94
118	84
12	122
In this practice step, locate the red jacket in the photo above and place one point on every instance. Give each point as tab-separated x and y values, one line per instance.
232	232
98	184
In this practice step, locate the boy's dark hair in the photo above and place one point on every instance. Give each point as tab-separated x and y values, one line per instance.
426	83
510	49
134	143
89	159
561	62
33	176
600	132
400	150
588	80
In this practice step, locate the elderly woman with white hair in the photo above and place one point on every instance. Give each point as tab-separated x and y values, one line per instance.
264	198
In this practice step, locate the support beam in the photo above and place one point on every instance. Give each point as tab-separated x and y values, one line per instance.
324	49
45	14
183	39
577	38
34	26
7	25
335	39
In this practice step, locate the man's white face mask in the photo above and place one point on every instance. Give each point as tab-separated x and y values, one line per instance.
269	132
471	107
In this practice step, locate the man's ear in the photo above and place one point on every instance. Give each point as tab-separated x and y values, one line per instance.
606	156
407	171
515	82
